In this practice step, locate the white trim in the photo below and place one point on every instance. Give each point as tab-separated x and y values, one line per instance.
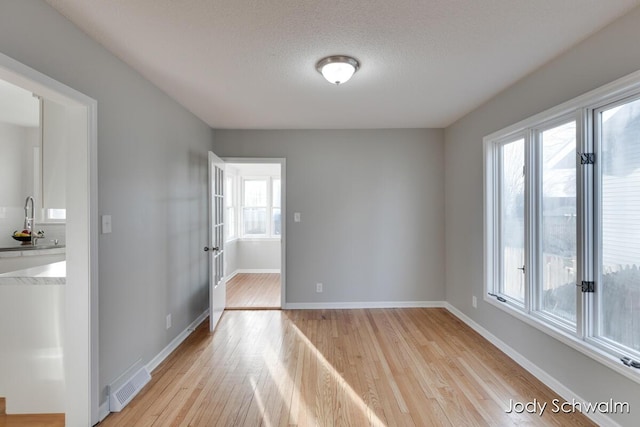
258	239
165	352
603	94
231	276
283	212
103	411
595	353
81	296
581	109
368	304
564	392
255	270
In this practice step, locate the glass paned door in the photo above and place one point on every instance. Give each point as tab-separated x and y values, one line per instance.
215	248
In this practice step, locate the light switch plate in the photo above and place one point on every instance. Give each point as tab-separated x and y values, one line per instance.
106	224
296	217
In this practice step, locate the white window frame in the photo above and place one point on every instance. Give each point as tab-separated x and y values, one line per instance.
234	205
582	108
269	208
272	207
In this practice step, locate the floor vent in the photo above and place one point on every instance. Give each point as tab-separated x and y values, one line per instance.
119	398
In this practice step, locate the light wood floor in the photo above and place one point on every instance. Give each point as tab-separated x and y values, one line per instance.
29	420
254	291
36	420
383	367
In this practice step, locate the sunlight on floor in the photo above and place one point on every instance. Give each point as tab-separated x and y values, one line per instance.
260	403
278	371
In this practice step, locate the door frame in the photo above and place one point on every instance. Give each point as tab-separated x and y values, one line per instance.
81	289
283	211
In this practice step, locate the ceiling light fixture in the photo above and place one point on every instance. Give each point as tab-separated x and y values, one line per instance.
337	69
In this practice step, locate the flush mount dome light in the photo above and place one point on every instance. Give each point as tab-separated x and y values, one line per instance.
337	69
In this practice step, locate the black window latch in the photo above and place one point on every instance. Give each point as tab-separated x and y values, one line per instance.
498	297
630	362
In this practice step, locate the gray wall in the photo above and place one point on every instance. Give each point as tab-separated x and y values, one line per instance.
608	55
152	160
243	255
372	210
259	254
230	257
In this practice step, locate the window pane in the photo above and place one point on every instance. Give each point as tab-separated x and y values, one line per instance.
254	220
230	222
228	191
276	221
619	292
57	214
276	193
512	219
255	192
559	254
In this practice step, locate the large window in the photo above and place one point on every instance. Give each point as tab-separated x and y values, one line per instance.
260	213
562	221
254	207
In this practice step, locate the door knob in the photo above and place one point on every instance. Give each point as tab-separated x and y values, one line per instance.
207	248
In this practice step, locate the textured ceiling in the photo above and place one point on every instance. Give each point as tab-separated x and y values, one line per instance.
251	64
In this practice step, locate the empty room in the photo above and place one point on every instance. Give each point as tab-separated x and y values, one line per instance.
308	213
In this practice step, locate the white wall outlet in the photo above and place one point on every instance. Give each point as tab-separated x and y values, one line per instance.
296	217
106	224
318	287
474	302
168	320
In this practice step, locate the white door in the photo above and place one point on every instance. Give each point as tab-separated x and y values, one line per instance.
217	283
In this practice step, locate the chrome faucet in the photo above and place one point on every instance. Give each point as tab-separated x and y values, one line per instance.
28	221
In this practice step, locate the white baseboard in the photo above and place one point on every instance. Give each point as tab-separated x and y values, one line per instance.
231	276
103	411
165	352
368	304
555	385
256	270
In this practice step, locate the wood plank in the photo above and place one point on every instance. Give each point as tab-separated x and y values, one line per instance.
253	291
32	420
383	367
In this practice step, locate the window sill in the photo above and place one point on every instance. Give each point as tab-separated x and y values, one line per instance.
259	239
577	344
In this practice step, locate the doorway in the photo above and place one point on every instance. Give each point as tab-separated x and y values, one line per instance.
79	300
255	235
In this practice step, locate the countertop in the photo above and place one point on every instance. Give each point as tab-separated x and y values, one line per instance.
31	251
49	274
